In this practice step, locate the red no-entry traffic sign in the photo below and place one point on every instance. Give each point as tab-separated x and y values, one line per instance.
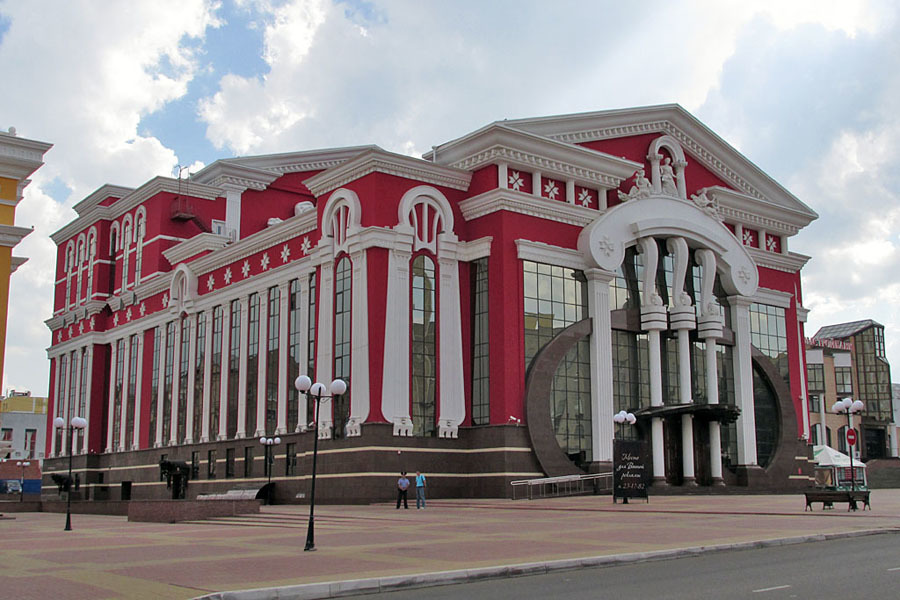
851	437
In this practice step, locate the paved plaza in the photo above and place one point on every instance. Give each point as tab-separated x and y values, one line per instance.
108	557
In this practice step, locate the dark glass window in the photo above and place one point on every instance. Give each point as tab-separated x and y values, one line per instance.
343	288
184	365
154	385
195	464
311	343
199	365
167	381
117	398
234	367
215	379
815	377
248	461
272	359
481	390
768	332
290	460
843	380
423	351
211	465
229	463
294	343
765	410
132	391
252	365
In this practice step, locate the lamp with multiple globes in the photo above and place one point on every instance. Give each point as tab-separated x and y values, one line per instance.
849	407
621	418
269	446
76	423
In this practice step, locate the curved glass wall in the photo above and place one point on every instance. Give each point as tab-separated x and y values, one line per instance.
765	410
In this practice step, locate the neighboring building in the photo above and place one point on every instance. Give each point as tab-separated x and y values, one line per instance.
895	436
491	307
871	382
19	158
23	423
829	378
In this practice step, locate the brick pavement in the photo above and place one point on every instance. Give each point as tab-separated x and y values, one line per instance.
108	557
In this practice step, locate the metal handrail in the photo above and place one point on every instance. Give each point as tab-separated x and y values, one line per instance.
559	485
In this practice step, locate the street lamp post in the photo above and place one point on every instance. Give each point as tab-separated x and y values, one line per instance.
23	464
75	423
621	418
269	445
849	407
315	392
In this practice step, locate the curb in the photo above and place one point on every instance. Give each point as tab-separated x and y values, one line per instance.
353	587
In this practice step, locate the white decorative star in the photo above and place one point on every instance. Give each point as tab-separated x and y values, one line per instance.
264	262
128	314
211	282
585	197
285	253
166	300
92	323
551	189
515	180
80	327
116	320
143	309
305	246
245	268
227	275
770	244
748	237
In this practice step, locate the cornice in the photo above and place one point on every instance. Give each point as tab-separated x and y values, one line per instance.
10	235
774	218
16	262
773	297
224	173
524	150
526	204
194	246
475	249
391	164
105	191
132	200
20	157
298	162
552	255
789	263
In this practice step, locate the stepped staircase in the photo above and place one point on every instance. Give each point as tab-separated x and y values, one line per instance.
883	473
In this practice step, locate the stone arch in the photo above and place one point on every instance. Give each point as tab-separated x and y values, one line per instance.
603	242
182	290
435	217
341	218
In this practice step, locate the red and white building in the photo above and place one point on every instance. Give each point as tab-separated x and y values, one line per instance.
491	306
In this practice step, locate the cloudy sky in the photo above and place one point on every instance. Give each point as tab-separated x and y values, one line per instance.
128	90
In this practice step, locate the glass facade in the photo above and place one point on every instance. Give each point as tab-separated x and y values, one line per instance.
294	348
117	394
481	366
768	332
765	409
215	368
234	365
423	350
132	390
873	373
199	362
252	364
555	298
169	366
311	343
272	359
343	286
154	384
184	364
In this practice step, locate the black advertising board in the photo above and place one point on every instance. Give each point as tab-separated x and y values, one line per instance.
631	470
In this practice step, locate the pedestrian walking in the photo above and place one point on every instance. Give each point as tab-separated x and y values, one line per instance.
402	487
420	490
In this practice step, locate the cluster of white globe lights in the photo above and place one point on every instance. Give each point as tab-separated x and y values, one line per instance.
848	405
624	416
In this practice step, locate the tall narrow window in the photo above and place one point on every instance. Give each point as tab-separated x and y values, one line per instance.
73	384
199	362
82	398
311	343
423	370
215	373
481	392
272	359
132	392
117	396
252	364
92	251
80	272
30	435
234	367
342	294
126	244
70	260
167	380
184	364
154	384
112	262
293	400
61	401
140	225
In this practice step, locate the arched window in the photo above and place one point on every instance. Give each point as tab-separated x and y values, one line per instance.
343	291
80	267
69	265
126	245
91	255
140	226
423	347
113	248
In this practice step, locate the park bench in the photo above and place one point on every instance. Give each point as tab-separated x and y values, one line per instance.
829	497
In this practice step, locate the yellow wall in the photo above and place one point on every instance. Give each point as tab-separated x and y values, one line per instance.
7	217
29	404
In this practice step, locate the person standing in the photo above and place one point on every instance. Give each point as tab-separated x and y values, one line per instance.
420	490
402	487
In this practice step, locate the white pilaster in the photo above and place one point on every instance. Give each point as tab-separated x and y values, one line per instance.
192	378
224	372
123	412
502	176
452	387
242	370
114	346
395	380
324	343
602	426
176	384
743	379
207	377
138	391
570	191
161	383
233	209
359	345
536	183
262	364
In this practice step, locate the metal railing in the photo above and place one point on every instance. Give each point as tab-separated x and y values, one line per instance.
565	485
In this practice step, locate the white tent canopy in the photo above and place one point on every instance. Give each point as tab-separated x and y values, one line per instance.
827	456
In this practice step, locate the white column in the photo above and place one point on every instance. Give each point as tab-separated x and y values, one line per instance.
89	357
570	191
77	353
284	386
602	426
176	384
138	390
324	343
57	406
653	320
502	176
192	379
262	364
655	182
207	376
395	379
233	209
161	383
712	397
452	386
222	434
743	379
114	346
687	420
710	329
536	183
123	413
659	457
242	370
679	178
359	345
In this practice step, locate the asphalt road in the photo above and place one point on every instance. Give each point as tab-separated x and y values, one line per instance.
853	568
